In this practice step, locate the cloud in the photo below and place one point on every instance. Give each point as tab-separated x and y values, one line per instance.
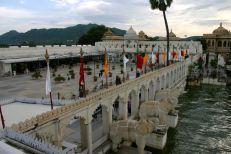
14	13
185	17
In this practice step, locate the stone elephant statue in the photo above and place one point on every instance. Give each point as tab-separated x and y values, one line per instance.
159	112
131	131
150	111
172	95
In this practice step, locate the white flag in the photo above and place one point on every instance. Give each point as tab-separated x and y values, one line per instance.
48	80
125	60
153	58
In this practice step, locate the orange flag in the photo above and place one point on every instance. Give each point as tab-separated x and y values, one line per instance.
106	67
164	56
145	59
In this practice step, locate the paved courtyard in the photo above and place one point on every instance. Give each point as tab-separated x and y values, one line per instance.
24	85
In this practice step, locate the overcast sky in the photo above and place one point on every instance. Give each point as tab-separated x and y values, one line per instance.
185	17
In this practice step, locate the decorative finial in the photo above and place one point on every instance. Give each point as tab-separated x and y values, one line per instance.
220	24
47	56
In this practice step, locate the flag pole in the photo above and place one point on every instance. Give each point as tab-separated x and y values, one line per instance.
145	69
51	101
137	49
123	62
82	92
106	74
2	118
50	94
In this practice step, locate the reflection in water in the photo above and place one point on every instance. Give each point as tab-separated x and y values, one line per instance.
204	122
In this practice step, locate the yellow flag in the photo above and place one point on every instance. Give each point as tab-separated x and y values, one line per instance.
145	59
106	68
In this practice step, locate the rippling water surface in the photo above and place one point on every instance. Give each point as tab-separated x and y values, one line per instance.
204	122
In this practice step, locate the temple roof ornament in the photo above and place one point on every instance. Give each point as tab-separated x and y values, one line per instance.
109	35
221	30
108	32
171	34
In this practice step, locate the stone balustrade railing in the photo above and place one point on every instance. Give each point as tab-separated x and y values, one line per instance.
56	113
45	101
33	142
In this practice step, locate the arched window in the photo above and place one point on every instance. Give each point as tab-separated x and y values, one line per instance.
140	45
134	46
224	44
219	44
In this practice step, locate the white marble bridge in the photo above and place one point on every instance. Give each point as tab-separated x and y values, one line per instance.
48	129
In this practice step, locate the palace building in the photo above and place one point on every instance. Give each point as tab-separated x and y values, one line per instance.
20	59
219	42
131	42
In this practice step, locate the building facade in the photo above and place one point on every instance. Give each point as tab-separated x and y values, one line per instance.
219	42
133	42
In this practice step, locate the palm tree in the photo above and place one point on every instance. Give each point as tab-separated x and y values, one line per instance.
162	5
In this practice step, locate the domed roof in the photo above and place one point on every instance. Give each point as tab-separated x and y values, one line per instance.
131	34
131	31
221	30
171	34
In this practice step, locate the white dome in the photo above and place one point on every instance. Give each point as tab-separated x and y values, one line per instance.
131	34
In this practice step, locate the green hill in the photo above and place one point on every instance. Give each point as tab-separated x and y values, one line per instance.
69	35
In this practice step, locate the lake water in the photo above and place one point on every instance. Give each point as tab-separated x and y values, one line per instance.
204	122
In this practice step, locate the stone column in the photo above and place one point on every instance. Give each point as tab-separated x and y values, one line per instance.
123	109
107	119
110	108
134	105
146	94
125	106
83	133
89	137
151	93
58	134
140	142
